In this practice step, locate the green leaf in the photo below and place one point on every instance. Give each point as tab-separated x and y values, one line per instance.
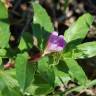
42	25
7	81
38	79
3	11
1	94
39	86
2	52
77	32
61	73
40	38
66	4
11	72
76	89
11	92
85	50
90	84
2	84
26	41
46	71
4	35
0	60
24	71
41	17
22	44
76	71
80	88
61	77
41	89
4	27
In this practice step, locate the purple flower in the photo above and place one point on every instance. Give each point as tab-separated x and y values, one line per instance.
55	43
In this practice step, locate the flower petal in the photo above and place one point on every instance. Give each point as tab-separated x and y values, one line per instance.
61	41
53	38
55	43
52	47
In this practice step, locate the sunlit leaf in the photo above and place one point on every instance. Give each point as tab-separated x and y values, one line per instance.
61	77
0	60
4	35
41	18
26	41
7	81
3	11
76	71
85	50
2	52
78	31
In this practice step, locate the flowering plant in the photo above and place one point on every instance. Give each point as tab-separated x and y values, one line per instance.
41	60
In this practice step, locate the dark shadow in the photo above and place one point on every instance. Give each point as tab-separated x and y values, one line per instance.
71	45
62	66
15	31
11	53
41	35
5	20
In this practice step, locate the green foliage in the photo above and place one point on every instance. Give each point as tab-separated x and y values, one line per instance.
3	12
4	26
39	18
0	60
39	75
40	89
42	26
26	41
11	92
75	34
76	71
3	52
85	50
46	71
24	70
61	76
4	34
79	29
